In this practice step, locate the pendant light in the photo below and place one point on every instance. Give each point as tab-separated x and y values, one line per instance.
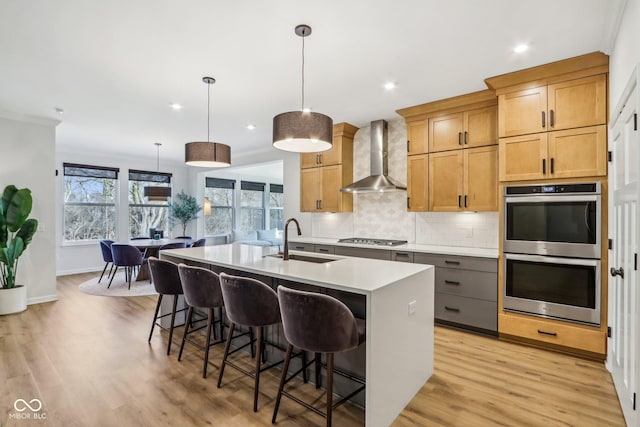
207	154
302	131
157	194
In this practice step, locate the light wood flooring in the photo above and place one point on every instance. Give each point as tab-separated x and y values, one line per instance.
87	359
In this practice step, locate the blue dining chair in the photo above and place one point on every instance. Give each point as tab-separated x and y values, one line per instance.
105	247
176	245
198	243
127	256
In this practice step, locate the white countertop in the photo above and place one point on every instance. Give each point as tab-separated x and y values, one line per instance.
357	275
411	247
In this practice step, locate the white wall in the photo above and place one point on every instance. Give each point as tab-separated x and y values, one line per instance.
27	159
625	54
82	257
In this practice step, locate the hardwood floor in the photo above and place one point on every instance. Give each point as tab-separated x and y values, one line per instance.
86	358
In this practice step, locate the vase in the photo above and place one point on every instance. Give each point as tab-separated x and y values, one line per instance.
13	300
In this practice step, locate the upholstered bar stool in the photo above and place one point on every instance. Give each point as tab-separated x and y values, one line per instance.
202	290
320	324
166	281
250	303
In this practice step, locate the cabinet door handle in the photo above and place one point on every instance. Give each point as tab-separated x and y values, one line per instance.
323	250
552	118
408	146
551	165
551	334
300	248
317	204
465	200
408	202
317	160
459	201
451	282
465	136
320	204
320	156
544	166
446	261
455	310
544	122
403	254
459	138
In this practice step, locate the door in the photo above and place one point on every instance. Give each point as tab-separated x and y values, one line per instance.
417	177
579	152
446	132
578	103
445	181
522	112
309	160
331	178
480	127
481	179
523	158
332	156
417	137
310	188
624	295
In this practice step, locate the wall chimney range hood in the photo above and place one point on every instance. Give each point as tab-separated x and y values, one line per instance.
378	180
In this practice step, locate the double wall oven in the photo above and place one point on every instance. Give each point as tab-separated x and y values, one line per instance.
552	250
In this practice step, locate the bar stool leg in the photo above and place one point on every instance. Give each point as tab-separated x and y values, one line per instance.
186	331
257	374
173	321
283	378
329	388
221	323
317	369
155	316
305	377
253	350
226	352
206	349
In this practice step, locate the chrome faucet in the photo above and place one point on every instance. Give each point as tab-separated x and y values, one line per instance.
285	253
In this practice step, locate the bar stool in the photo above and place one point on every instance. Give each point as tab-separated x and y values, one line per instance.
202	290
166	281
250	303
320	324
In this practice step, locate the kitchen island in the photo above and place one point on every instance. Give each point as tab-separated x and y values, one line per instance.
398	310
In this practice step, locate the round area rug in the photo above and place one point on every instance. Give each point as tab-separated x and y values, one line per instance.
118	287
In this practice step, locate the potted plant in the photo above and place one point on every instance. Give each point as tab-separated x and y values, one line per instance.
16	232
183	209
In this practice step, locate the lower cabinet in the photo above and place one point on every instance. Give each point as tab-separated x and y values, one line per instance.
363	252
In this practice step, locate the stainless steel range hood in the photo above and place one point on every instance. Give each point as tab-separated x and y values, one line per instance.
378	180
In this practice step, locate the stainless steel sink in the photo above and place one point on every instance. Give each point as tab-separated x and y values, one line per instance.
305	258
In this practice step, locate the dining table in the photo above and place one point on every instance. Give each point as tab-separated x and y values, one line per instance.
151	247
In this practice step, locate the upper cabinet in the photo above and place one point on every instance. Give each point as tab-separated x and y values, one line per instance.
473	128
417	137
566	105
552	120
343	134
323	174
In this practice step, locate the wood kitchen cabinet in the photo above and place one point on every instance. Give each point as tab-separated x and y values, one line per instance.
472	128
571	153
417	137
343	134
464	180
322	175
564	105
417	177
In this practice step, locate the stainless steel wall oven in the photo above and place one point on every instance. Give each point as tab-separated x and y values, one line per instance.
552	250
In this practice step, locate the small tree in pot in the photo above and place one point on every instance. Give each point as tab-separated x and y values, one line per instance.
183	209
16	232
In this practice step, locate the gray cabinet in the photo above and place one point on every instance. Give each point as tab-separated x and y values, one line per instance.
308	247
466	291
325	249
402	256
363	252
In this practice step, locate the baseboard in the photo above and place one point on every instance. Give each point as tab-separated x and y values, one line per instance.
79	271
39	300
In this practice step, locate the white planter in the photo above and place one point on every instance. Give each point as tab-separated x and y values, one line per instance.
13	300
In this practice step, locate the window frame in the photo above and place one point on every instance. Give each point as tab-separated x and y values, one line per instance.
279	189
254	186
152	178
224	184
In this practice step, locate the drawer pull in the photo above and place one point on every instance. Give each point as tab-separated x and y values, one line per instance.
451	282
323	250
402	254
551	334
455	310
300	248
446	261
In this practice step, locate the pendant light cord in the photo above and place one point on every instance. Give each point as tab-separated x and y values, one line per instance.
208	110
302	106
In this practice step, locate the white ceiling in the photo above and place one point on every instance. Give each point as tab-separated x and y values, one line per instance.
115	66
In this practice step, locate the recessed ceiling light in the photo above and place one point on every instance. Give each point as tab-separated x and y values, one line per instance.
389	85
176	106
520	48
59	110
251	127
306	110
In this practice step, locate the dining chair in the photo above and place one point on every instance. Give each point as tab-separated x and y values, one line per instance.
127	256
175	245
199	243
107	257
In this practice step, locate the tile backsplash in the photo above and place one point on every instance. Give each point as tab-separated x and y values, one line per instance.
385	216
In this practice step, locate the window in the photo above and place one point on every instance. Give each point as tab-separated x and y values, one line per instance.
276	206
219	193
89	202
145	214
251	205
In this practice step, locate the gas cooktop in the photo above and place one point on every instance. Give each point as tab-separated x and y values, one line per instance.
369	241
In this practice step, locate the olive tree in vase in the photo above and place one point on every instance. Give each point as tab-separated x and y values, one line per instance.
183	209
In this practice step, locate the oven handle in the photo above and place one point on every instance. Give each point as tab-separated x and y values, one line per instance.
553	198
553	260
